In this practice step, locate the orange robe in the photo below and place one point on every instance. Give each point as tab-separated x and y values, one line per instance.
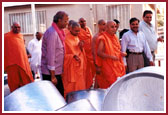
74	72
110	69
95	56
66	31
15	54
86	36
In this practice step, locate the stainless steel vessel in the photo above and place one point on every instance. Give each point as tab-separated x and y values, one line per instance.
95	96
36	96
142	90
79	105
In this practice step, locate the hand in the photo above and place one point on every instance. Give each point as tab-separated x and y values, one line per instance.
54	80
152	63
76	58
123	54
81	44
114	58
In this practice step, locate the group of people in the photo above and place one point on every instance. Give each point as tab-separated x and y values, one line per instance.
70	57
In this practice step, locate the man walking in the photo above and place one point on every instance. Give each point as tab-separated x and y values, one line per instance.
34	48
15	59
53	50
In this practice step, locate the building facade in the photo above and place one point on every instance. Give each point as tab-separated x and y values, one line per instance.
91	12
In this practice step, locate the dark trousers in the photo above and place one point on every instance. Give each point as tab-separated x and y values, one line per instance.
33	74
146	60
59	82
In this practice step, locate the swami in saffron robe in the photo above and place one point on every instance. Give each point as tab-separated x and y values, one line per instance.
16	61
74	75
110	69
86	36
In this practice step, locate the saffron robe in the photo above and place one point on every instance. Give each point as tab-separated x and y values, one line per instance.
86	36
15	54
95	44
74	75
110	69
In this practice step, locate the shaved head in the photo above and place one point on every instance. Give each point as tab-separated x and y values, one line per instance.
101	21
110	22
16	27
82	22
101	25
81	19
75	24
111	27
75	28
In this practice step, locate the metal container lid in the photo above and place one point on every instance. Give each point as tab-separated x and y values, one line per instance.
95	97
79	105
36	96
142	90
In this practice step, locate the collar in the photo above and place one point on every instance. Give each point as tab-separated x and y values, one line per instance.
147	24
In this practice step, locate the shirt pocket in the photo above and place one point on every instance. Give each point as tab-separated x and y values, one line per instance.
133	42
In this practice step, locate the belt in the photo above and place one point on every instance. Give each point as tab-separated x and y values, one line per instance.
136	53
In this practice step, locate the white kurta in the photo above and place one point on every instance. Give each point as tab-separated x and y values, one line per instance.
34	48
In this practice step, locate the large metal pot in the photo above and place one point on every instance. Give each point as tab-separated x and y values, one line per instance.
79	105
142	90
36	96
95	97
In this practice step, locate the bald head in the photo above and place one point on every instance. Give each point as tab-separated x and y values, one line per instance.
75	28
82	22
39	35
70	23
110	22
100	21
75	24
111	27
101	25
16	27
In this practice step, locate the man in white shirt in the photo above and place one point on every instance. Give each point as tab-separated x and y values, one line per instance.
150	35
135	42
34	48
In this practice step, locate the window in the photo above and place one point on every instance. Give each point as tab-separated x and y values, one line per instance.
120	12
25	20
41	21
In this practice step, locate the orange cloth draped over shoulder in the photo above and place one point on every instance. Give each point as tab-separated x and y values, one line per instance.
74	76
97	59
66	31
86	36
110	69
15	54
